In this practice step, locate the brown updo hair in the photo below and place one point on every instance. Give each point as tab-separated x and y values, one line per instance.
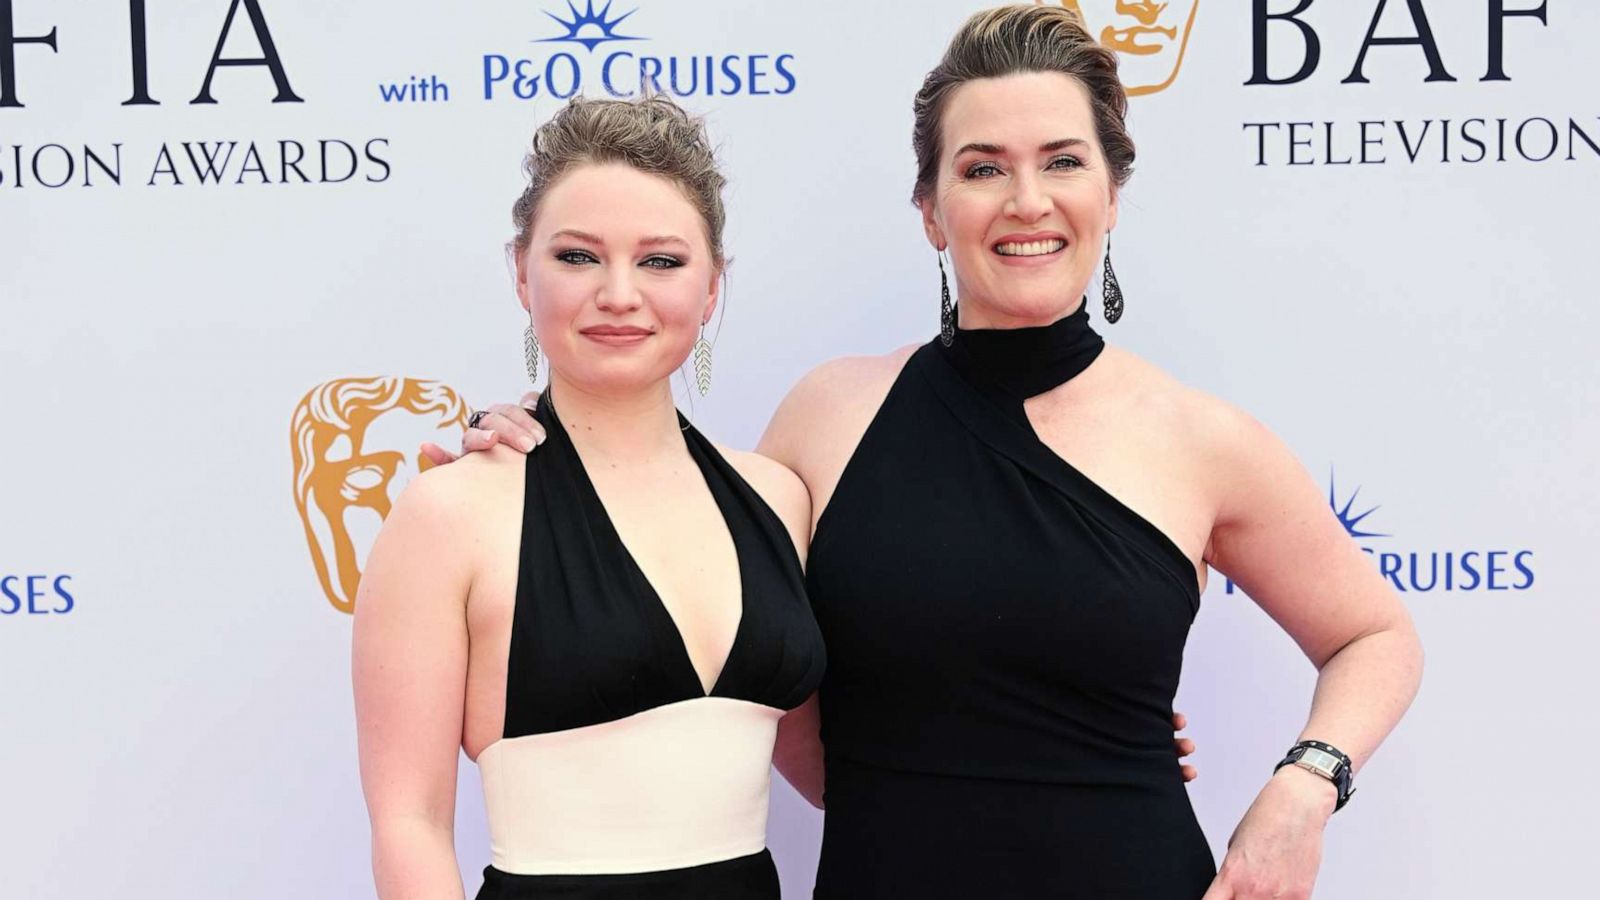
651	134
1009	40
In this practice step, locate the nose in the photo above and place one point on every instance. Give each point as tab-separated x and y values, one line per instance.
1028	201
618	293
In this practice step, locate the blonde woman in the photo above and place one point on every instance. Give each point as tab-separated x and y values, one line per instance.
615	627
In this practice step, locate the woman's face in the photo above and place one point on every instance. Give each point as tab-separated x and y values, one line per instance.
618	277
1023	199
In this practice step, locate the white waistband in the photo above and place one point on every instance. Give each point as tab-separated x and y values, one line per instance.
675	786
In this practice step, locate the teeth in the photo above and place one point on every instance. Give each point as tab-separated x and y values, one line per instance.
1030	248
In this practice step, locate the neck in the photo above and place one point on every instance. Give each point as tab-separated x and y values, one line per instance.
1013	364
635	426
975	316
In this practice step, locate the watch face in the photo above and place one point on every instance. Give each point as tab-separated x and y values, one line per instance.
1321	762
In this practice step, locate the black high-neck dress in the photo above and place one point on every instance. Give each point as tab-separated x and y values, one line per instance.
619	776
1004	642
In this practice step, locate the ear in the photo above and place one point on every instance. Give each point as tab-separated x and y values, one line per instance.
523	292
931	225
715	295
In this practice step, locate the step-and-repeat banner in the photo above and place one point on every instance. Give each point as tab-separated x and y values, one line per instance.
251	254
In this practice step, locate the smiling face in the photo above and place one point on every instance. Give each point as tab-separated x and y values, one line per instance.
1023	200
1151	37
619	277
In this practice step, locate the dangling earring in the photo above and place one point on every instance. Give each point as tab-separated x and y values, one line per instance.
530	351
702	362
947	313
1111	289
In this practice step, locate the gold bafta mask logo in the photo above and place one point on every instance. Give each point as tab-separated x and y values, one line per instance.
1150	38
354	442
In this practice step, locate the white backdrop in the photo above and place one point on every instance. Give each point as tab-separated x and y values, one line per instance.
1422	330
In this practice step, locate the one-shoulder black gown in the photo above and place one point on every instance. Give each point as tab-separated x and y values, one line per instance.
619	777
1004	642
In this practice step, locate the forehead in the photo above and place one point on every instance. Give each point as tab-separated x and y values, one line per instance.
616	200
1022	110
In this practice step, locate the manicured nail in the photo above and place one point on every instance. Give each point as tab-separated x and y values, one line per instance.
526	443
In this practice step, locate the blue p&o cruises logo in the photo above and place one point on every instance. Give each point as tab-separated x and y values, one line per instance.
36	595
1426	571
624	73
582	27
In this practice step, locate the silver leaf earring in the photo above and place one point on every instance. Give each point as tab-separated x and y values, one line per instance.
530	351
702	362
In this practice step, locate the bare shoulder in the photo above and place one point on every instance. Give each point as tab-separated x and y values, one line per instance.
774	481
453	497
1204	422
779	486
832	404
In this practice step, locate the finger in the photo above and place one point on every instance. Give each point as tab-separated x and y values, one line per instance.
1218	891
530	399
1184	746
478	439
1179	721
516	425
1190	773
437	455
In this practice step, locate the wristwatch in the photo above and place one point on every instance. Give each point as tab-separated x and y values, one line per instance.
1325	760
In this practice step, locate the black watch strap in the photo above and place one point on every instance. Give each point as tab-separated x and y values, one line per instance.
1326	760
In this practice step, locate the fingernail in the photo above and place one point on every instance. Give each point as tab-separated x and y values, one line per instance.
526	443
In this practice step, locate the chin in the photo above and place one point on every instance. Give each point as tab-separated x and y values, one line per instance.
1040	306
617	377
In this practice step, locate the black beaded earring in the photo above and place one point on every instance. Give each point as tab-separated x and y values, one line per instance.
947	313
1111	289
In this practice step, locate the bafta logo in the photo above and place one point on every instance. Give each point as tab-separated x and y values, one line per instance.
1150	38
354	444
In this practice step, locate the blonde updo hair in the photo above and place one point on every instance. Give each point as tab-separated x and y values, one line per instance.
651	134
1014	39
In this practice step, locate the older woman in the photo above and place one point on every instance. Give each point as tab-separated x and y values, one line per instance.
1012	530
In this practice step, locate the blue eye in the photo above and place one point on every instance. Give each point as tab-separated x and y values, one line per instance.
1072	162
576	257
982	170
662	262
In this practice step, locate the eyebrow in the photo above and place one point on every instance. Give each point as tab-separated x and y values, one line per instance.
651	241
997	150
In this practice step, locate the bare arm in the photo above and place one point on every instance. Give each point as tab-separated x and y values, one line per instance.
1275	536
798	751
1277	539
409	665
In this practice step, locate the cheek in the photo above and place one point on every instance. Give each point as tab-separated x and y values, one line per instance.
555	295
968	214
680	300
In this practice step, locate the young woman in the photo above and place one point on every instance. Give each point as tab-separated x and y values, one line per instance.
1012	526
613	628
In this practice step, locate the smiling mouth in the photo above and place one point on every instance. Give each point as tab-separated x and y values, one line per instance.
1031	248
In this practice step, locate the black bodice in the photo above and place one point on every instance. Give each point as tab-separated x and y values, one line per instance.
591	641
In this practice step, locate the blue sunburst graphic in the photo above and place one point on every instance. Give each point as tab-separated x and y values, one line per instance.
587	18
1350	521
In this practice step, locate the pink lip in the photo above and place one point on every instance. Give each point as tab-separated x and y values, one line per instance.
616	334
